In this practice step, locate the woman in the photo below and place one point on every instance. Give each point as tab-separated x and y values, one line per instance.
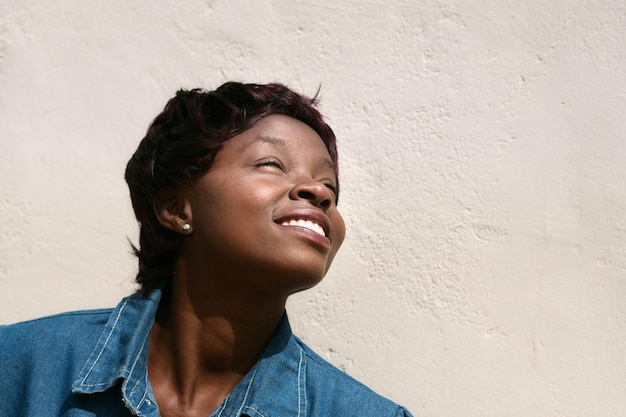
235	191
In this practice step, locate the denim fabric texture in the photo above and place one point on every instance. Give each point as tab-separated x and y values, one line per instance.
94	363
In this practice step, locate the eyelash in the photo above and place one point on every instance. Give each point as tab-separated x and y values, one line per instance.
271	162
332	187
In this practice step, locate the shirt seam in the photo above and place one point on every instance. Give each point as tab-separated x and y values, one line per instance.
103	311
106	342
247	407
132	369
245	396
299	379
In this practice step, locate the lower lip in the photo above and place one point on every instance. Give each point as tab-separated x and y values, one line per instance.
310	234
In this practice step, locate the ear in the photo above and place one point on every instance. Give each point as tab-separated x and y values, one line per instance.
172	209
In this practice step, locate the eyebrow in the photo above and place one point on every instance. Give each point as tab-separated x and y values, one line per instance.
280	143
328	163
277	142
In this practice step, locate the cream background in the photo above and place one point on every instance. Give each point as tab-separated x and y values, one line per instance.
482	161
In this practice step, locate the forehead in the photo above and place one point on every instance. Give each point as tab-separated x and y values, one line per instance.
282	133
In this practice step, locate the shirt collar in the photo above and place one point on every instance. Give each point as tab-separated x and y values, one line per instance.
121	353
275	386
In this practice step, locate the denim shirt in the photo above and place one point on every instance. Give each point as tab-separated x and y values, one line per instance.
94	363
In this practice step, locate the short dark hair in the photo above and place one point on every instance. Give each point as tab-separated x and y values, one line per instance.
181	143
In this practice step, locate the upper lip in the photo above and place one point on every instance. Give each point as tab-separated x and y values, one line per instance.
311	215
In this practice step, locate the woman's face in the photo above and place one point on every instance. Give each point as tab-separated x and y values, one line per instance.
265	212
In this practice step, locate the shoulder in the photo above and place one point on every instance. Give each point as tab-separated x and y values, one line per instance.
52	338
320	369
40	358
58	324
340	394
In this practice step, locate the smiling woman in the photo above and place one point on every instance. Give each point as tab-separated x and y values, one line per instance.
255	193
235	191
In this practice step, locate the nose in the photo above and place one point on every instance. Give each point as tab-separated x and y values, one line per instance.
313	191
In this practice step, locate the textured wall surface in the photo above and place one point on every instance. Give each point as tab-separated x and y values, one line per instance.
483	172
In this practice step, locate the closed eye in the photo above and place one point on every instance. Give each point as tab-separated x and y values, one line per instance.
332	187
271	163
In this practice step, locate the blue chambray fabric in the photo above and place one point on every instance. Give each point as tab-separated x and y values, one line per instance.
94	363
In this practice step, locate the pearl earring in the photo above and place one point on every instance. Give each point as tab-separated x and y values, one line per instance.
186	227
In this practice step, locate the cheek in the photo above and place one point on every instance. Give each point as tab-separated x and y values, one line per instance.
340	230
238	209
259	197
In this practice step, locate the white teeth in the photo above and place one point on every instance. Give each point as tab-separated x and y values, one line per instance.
307	224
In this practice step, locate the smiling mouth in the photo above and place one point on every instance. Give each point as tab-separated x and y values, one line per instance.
307	224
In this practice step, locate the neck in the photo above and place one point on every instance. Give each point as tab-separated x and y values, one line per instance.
207	337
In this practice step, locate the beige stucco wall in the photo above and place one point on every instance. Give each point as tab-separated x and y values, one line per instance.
483	173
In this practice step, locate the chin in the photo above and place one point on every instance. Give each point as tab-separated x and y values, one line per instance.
299	281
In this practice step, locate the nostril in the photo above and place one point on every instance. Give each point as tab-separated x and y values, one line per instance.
307	195
315	198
